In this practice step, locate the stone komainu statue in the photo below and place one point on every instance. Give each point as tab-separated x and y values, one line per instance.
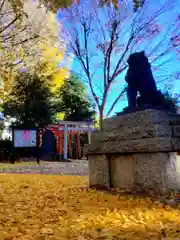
140	79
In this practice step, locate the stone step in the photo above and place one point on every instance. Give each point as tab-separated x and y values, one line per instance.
141	118
159	144
136	132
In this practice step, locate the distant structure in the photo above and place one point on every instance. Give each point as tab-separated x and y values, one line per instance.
66	135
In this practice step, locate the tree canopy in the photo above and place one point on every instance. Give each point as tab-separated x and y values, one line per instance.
53	64
54	5
32	103
19	32
33	41
29	101
74	102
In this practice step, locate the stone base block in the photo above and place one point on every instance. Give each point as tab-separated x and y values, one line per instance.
133	146
99	171
159	172
136	132
141	118
122	171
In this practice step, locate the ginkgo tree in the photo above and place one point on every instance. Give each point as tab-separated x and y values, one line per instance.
35	44
53	63
21	23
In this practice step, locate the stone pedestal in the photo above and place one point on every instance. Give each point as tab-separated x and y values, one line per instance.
137	151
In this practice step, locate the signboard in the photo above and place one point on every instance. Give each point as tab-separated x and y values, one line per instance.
24	138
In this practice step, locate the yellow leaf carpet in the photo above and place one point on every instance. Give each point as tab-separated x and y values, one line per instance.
40	207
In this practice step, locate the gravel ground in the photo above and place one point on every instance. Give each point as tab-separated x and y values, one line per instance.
76	167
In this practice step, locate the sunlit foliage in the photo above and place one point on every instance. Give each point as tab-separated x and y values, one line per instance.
54	5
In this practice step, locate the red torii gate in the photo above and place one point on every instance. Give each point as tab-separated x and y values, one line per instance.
64	131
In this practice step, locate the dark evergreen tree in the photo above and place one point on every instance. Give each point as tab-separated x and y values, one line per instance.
74	102
29	101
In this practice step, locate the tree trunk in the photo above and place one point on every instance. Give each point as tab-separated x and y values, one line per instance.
101	119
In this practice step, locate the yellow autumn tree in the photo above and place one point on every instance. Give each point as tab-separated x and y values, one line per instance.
53	64
50	60
20	28
54	5
35	44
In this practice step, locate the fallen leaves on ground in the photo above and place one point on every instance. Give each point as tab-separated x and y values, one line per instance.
40	207
76	167
17	164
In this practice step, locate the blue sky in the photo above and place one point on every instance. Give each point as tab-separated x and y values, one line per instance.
159	75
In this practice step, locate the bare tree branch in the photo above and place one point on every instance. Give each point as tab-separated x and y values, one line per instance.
116	101
10	23
77	52
113	37
2	4
115	74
